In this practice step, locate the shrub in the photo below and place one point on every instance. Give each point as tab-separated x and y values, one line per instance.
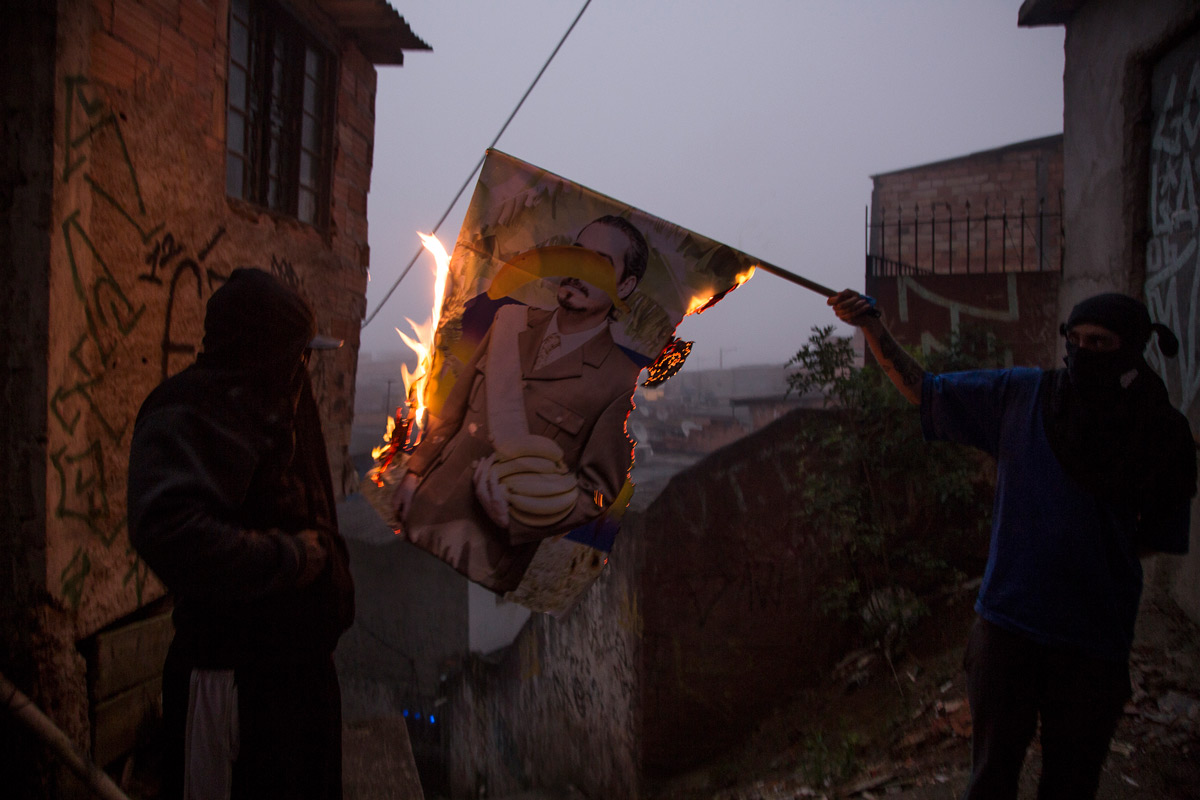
902	516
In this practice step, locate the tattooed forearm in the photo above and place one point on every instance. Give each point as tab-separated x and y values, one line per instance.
897	358
901	368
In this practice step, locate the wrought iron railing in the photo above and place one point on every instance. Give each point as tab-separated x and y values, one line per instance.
936	241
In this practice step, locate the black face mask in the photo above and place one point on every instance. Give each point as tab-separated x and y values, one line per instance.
1092	370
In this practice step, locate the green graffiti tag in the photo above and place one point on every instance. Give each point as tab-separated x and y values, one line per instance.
97	117
83	494
74	575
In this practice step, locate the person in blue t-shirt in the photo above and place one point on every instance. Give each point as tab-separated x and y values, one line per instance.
1095	468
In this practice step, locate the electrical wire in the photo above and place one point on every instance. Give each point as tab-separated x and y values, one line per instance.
479	164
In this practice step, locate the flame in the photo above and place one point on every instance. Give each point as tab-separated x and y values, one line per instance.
422	345
698	304
377	452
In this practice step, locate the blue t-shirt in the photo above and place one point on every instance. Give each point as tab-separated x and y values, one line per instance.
1063	564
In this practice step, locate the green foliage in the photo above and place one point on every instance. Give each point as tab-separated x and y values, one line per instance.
898	512
829	760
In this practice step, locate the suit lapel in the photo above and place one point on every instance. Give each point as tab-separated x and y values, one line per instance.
570	365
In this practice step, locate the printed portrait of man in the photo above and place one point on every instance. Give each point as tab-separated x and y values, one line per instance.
530	441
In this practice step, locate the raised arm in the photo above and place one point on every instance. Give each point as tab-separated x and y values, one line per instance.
901	368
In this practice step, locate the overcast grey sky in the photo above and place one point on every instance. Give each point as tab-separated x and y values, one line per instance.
757	123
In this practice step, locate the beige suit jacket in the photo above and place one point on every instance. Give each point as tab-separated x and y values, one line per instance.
580	400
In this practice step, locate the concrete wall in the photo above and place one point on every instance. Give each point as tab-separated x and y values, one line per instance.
121	228
1025	175
1111	144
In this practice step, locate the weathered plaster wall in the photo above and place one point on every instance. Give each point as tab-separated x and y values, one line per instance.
559	707
1019	309
1110	144
142	234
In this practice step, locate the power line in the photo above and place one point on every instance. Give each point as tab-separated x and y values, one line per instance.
479	164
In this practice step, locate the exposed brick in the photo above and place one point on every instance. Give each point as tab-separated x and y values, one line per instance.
357	201
113	63
198	22
136	26
167	11
177	52
104	12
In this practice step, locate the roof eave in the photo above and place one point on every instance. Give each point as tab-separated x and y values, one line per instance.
1035	13
381	33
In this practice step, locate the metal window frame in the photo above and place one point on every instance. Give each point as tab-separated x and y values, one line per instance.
271	26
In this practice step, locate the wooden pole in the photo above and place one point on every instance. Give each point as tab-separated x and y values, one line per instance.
28	714
797	279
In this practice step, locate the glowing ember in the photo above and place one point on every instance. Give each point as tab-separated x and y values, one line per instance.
669	362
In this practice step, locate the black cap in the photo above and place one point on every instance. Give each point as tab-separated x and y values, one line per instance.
1126	317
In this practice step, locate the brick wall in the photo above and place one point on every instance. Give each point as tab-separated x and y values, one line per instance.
138	233
1016	301
1025	176
144	232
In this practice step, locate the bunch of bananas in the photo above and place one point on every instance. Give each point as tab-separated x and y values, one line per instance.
541	491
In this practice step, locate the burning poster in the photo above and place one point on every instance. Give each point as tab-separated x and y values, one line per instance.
556	299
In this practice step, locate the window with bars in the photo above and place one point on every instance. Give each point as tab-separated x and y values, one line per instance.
278	113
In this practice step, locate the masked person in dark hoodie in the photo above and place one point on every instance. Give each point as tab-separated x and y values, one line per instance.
1094	468
231	504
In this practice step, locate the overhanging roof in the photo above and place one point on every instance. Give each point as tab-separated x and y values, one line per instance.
1047	12
381	33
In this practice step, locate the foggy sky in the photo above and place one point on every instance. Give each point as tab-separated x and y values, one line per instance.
756	123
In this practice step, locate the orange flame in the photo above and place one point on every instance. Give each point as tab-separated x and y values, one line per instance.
699	304
377	452
422	345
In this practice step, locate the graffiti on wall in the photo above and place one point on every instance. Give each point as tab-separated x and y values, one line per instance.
92	407
955	309
107	317
1173	252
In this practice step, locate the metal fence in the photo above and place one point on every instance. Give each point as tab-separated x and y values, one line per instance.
936	241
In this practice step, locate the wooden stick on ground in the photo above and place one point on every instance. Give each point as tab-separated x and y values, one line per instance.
24	710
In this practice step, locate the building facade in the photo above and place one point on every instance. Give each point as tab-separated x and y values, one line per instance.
151	148
973	242
1131	94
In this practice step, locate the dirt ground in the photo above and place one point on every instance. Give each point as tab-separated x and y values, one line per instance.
901	728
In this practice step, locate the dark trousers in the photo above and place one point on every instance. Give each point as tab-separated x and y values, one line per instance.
1011	682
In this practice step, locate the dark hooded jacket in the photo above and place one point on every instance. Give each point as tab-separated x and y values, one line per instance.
226	466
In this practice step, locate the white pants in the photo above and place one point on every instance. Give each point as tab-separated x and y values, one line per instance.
211	744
